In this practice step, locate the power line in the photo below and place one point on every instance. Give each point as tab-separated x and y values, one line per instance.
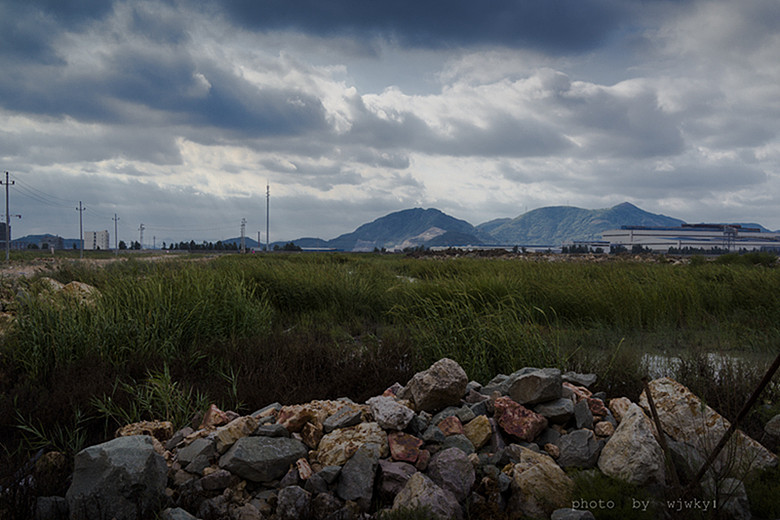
34	193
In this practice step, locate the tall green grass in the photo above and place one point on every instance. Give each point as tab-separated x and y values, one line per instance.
166	313
353	324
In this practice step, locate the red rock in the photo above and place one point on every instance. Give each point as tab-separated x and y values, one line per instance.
597	407
580	392
404	447
451	426
214	417
517	420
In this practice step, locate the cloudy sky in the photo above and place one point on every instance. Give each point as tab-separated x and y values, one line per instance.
176	113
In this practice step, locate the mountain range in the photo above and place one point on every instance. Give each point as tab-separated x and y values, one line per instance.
546	227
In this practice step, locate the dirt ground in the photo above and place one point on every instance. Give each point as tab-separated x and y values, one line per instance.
29	268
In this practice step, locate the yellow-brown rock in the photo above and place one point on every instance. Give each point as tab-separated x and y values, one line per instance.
228	434
539	485
160	430
339	445
311	434
478	431
619	406
603	429
294	417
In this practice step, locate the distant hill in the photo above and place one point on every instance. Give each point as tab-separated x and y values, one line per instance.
549	226
248	242
555	225
408	228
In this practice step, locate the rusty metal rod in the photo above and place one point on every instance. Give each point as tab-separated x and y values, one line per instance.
661	439
742	413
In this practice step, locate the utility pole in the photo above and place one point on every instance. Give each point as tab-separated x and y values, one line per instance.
154	241
243	240
7	220
116	235
141	229
81	210
267	205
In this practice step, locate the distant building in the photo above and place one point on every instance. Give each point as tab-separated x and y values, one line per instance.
728	237
96	240
38	242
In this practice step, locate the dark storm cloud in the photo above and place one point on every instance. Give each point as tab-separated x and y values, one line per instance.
28	29
554	25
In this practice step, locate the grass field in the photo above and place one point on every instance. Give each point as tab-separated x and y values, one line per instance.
165	338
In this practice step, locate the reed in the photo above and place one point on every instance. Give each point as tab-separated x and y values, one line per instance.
248	329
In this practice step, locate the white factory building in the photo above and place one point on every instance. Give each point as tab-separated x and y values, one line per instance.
96	240
730	237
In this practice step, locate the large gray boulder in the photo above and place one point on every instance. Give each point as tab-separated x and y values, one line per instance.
293	502
571	514
122	479
579	449
392	477
262	459
633	454
773	426
557	411
452	470
389	413
356	481
537	386
176	513
441	385
420	491
197	456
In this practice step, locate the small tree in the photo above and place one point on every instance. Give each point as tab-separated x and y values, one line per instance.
290	246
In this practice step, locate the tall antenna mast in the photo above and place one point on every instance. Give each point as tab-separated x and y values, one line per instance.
116	236
267	205
243	239
81	209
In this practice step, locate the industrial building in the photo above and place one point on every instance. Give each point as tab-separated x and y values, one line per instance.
728	237
96	240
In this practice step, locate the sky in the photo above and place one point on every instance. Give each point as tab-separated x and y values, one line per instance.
176	114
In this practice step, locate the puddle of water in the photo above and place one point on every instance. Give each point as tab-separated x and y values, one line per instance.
661	365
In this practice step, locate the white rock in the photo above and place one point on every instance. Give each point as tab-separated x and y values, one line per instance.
633	454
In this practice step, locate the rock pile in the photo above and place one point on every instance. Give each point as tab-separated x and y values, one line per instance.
439	442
